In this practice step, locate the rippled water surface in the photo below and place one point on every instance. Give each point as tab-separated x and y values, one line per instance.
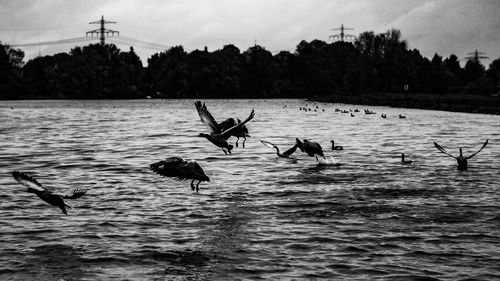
260	216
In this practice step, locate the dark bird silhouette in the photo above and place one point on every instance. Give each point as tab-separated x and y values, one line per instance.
461	160
383	116
311	148
402	116
218	136
180	170
405	162
241	132
54	199
336	147
285	154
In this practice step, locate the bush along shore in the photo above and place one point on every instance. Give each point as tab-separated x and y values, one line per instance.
371	70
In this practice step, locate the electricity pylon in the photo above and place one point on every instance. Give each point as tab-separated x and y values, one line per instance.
342	35
102	32
476	56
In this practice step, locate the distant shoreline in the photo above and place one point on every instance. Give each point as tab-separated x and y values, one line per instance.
445	102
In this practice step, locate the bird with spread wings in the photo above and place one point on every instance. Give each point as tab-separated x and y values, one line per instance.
54	199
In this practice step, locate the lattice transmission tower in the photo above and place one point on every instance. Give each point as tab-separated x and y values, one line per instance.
341	36
102	32
476	56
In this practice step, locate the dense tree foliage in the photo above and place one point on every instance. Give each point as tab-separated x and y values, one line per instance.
374	63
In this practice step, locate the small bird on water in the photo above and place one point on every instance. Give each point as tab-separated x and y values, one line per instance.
217	136
461	160
54	199
336	147
180	169
285	154
311	148
405	162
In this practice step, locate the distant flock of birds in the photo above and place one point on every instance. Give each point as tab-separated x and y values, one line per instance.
351	111
219	133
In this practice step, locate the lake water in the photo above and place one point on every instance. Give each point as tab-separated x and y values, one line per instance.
260	216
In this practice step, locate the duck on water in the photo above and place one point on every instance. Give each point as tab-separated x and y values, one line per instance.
217	135
461	160
180	169
54	199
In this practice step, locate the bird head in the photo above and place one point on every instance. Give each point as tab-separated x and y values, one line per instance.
460	149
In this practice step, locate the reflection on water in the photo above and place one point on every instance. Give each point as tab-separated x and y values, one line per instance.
359	214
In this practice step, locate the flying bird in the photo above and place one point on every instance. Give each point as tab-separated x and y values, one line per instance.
461	160
336	147
285	154
311	148
180	169
405	162
218	136
54	199
241	132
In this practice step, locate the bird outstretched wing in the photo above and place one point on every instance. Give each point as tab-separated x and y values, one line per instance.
229	131
290	151
444	150
270	145
31	183
77	193
484	145
206	117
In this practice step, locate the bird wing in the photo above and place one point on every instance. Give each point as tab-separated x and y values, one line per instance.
484	145
290	151
228	123
28	181
271	145
206	117
77	193
443	150
195	170
167	167
239	125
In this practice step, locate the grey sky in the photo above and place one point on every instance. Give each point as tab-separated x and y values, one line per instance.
446	27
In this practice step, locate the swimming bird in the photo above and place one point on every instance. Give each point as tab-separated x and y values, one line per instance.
383	116
180	169
405	162
54	199
218	136
461	160
402	116
336	147
241	132
311	148
285	154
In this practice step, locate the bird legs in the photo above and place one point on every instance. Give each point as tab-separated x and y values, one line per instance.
197	187
243	143
226	152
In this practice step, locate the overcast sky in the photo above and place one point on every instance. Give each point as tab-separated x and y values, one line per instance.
444	27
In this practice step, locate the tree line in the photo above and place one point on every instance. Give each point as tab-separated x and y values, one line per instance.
373	63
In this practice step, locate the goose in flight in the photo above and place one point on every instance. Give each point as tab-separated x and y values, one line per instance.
405	162
311	148
461	160
285	154
241	132
336	147
54	199
180	169
217	136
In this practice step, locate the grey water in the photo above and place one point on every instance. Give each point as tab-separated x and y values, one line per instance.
260	217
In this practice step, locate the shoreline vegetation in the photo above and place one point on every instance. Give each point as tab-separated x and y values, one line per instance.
375	69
